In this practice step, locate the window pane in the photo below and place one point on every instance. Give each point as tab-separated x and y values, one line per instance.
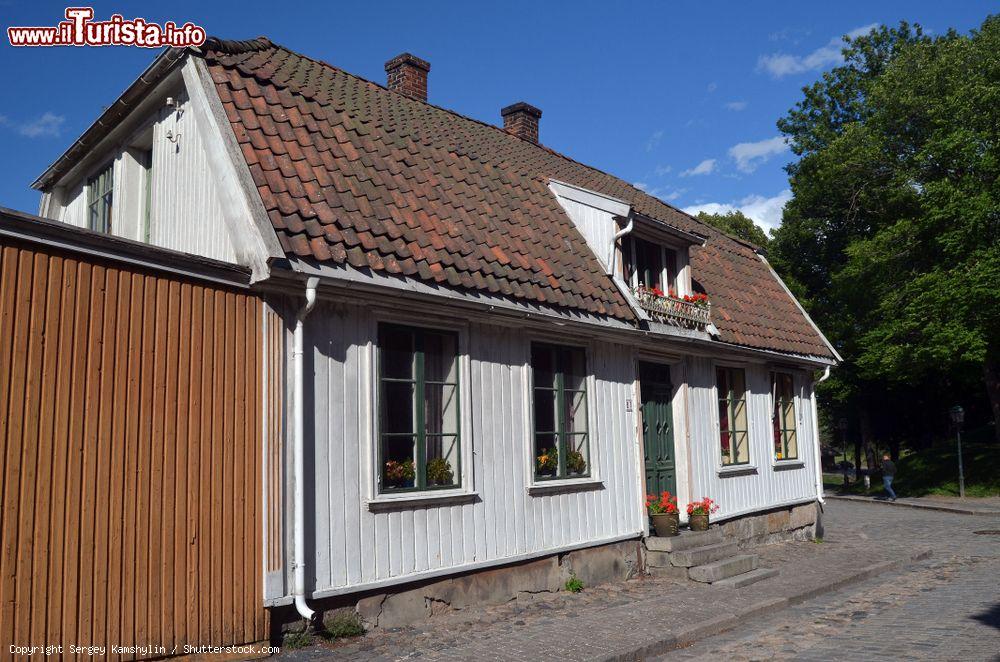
725	441
398	414
543	367
397	355
577	457
441	409
576	411
440	357
545	410
398	468
546	455
442	460
740	415
574	369
792	445
741	448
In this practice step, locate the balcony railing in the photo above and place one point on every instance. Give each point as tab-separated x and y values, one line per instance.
670	310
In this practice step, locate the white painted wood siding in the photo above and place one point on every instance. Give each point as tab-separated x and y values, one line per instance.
186	208
352	546
772	483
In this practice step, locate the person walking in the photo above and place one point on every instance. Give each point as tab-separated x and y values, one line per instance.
888	473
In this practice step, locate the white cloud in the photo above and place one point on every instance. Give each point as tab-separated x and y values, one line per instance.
654	140
47	124
663	193
736	106
750	155
712	87
662	170
766	212
786	64
706	167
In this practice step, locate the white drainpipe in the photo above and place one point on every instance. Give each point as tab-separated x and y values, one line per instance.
819	457
614	242
298	456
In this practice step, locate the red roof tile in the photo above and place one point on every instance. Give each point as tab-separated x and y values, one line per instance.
351	172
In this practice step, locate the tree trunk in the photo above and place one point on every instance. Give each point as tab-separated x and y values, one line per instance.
866	440
991	375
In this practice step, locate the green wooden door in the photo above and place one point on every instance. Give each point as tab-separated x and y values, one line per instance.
658	427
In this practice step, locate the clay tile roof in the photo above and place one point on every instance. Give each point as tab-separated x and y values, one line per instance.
352	172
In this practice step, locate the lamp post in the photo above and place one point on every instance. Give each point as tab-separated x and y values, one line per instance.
842	426
957	417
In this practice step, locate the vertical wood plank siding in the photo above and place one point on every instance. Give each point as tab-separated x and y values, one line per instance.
130	470
355	546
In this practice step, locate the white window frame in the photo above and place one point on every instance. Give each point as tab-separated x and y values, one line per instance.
466	490
798	461
721	467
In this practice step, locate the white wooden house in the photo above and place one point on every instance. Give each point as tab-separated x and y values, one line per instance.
479	351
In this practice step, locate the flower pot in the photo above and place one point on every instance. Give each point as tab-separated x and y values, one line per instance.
666	524
698	522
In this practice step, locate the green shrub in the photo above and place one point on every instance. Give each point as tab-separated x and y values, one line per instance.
573	584
343	623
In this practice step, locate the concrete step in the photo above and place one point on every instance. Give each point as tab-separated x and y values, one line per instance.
747	578
689	558
686	540
658	559
713	572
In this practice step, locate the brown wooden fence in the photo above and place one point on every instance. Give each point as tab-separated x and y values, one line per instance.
130	434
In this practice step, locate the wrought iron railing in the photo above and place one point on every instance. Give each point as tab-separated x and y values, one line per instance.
670	310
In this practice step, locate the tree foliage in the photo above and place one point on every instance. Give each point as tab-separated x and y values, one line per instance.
738	225
892	237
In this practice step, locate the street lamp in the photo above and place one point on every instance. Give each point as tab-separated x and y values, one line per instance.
842	426
957	417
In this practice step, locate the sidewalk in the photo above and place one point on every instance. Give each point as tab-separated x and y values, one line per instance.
630	620
989	507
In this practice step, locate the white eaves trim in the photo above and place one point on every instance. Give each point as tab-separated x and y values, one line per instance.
251	232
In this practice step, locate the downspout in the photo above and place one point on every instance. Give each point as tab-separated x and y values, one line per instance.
815	417
298	456
614	242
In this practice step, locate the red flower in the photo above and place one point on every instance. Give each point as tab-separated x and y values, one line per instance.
704	507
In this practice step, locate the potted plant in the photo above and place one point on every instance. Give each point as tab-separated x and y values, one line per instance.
575	464
399	474
698	512
439	472
664	514
548	462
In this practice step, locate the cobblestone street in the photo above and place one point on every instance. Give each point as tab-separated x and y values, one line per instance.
945	607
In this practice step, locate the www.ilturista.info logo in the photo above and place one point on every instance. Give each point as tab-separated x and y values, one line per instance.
79	29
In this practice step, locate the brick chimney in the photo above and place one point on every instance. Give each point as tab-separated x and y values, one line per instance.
407	74
521	119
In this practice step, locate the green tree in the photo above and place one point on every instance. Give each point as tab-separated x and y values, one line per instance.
890	238
736	224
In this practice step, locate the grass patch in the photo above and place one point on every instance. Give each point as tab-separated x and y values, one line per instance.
934	471
343	623
573	584
295	640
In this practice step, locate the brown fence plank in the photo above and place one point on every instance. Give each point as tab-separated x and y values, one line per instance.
131	440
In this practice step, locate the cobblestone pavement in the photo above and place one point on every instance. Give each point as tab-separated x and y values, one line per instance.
928	609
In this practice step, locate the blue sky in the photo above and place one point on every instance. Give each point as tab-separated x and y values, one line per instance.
680	98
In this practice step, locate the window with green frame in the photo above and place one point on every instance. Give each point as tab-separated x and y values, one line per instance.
559	398
733	429
786	445
100	195
419	418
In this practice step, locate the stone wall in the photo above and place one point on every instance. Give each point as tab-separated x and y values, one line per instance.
801	522
414	602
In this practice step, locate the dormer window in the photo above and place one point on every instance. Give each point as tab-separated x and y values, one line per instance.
649	265
100	194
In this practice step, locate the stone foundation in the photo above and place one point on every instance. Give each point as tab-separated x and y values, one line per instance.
414	602
801	522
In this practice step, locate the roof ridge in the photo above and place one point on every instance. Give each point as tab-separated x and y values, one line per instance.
252	45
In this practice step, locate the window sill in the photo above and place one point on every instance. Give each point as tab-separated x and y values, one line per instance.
781	465
569	485
418	499
736	470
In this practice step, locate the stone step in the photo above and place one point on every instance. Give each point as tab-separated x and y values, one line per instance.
667	572
686	540
747	578
713	572
689	558
658	559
